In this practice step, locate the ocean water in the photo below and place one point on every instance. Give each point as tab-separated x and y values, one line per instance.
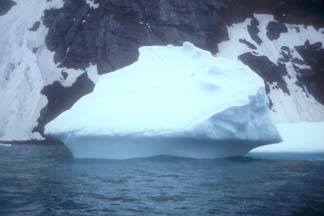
46	180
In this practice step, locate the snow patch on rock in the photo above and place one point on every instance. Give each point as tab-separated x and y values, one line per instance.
92	4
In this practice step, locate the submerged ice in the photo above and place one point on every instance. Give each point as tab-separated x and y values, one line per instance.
173	92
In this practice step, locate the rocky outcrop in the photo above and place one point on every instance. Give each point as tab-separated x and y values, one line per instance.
274	29
312	78
266	69
61	98
110	34
5	6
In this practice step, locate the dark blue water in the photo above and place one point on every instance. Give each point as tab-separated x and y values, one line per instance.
45	180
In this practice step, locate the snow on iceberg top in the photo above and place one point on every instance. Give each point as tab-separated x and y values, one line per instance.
170	91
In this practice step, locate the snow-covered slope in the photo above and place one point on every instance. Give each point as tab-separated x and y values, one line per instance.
174	92
21	78
278	44
26	66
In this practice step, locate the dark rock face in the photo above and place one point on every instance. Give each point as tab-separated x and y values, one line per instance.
110	35
274	29
270	72
254	31
312	79
62	98
248	44
35	26
5	6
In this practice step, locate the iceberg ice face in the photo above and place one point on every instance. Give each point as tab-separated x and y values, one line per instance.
248	123
173	92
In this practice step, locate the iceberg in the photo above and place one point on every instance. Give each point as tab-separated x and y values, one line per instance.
298	137
174	100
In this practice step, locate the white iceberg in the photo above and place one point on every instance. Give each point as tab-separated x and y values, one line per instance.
179	101
298	137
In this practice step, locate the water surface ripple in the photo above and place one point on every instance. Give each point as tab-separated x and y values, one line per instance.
45	180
